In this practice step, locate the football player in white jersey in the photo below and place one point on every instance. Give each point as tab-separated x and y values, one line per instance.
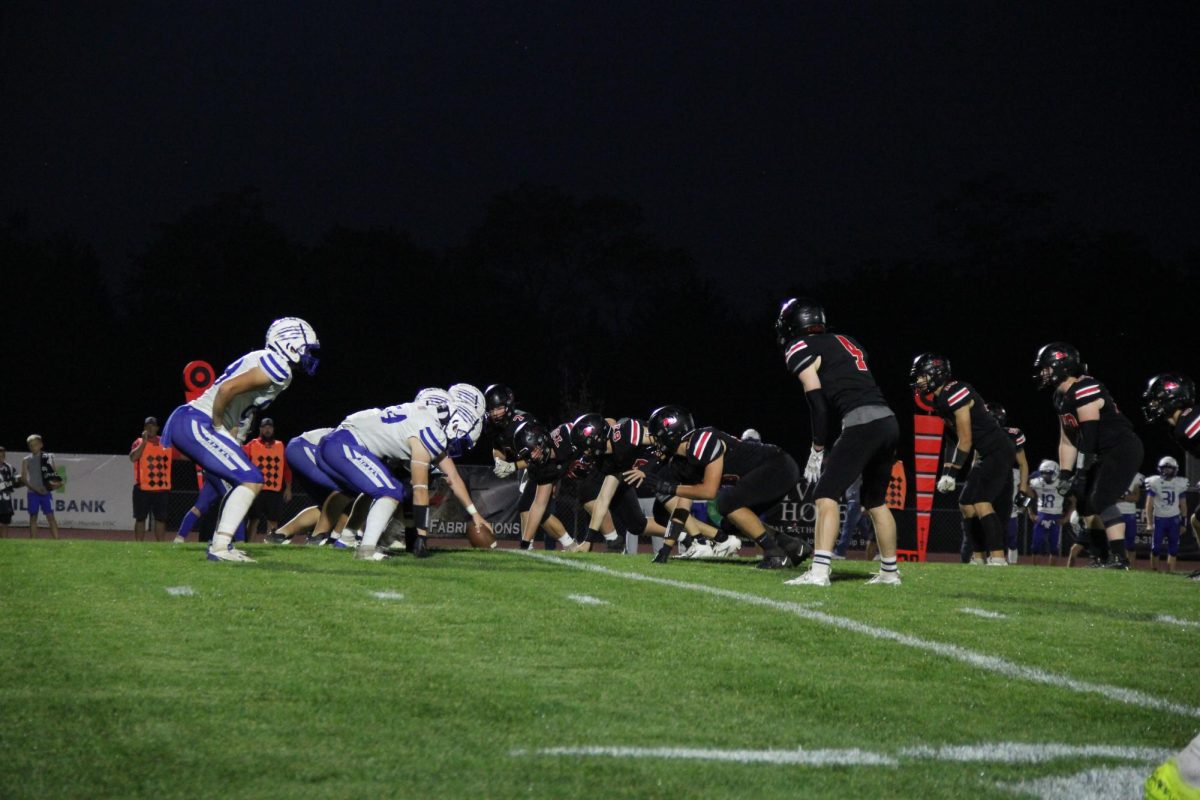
1165	507
1052	511
353	455
211	429
330	502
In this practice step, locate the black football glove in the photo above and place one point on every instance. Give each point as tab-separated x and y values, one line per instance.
664	488
663	555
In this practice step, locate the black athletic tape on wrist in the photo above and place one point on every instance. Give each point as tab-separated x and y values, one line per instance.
421	517
679	518
957	460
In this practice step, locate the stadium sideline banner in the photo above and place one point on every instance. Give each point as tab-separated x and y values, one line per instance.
97	492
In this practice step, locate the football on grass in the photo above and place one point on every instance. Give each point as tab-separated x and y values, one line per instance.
479	537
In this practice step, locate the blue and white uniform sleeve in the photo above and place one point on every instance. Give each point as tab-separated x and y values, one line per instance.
277	369
434	440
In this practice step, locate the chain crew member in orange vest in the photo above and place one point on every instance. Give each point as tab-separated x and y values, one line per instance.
151	481
267	453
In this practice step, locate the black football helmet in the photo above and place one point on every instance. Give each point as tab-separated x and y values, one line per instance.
531	442
1165	393
935	370
589	436
1055	363
668	425
799	316
497	397
999	413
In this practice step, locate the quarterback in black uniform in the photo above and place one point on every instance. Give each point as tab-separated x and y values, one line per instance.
700	460
833	370
1171	397
970	427
1097	447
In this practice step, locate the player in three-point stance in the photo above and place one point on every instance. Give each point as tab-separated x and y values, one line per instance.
210	429
699	460
833	370
1098	451
970	427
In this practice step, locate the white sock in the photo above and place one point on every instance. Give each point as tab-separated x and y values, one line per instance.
566	540
377	519
236	506
1188	761
821	560
611	536
220	541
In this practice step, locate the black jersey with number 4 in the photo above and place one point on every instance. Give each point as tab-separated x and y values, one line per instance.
1114	426
1187	431
845	378
628	451
709	444
986	434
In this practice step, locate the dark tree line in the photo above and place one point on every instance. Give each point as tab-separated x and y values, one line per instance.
575	304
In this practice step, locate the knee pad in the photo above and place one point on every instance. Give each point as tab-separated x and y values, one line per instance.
661	515
1111	516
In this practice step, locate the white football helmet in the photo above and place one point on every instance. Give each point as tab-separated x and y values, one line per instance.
1168	467
750	435
1048	470
295	340
467	407
437	400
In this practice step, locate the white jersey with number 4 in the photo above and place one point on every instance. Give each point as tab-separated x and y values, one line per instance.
1166	493
387	432
237	411
1050	502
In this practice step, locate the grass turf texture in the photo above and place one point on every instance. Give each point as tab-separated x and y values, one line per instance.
288	678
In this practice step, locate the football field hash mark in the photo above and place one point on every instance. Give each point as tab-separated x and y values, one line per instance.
387	595
181	591
587	600
952	651
979	612
1183	623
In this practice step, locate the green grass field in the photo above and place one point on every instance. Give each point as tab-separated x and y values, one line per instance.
291	678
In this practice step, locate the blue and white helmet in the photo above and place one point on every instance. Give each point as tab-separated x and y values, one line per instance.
436	400
295	340
1048	470
467	407
1168	467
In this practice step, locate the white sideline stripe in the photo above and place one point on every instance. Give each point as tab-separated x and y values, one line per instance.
181	591
388	595
816	758
587	600
1167	618
1119	783
979	612
995	753
981	660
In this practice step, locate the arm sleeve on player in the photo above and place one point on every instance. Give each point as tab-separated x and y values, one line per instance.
1088	433
818	406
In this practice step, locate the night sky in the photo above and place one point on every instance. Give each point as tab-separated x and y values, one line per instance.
773	143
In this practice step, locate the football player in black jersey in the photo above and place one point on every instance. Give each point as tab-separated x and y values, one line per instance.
833	370
969	426
1097	448
1171	397
545	456
501	420
699	460
1017	494
615	447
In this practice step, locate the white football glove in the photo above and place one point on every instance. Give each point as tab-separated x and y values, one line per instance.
812	470
946	484
504	468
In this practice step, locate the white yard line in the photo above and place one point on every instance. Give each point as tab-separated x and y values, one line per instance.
1183	623
181	591
587	600
975	659
387	595
986	753
979	612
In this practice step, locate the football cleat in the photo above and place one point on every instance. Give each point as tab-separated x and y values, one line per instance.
370	554
579	547
1000	561
319	540
698	549
774	562
277	538
231	555
797	550
728	548
1195	576
616	545
1116	562
890	578
810	578
1166	783
179	540
975	561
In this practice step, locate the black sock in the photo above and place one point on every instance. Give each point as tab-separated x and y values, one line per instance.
969	543
993	533
1098	543
721	536
1116	549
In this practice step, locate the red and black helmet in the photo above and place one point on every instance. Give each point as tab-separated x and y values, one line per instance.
589	436
1055	363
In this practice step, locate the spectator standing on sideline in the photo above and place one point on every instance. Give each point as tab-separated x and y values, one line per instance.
151	481
38	474
8	481
267	453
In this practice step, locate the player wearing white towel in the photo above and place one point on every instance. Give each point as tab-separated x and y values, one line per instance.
210	430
